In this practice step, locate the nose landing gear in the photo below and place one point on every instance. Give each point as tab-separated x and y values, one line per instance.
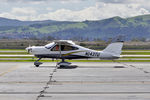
37	64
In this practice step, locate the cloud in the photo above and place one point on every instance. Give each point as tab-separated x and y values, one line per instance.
23	11
37	2
145	4
97	12
42	0
49	8
100	10
76	1
70	1
123	1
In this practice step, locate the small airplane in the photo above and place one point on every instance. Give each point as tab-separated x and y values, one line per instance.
66	49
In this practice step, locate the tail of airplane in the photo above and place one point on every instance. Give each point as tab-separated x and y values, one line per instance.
114	49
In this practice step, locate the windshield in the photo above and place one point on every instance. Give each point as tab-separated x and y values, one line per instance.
64	48
48	46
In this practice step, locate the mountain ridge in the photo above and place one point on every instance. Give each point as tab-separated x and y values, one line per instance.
134	27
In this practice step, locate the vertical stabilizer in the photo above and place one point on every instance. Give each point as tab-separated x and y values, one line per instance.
114	48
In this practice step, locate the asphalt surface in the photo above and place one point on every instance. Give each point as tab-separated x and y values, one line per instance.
80	81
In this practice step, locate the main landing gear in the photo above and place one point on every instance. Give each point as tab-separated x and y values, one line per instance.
37	64
63	63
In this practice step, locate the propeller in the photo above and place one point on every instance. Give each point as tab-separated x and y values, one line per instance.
29	49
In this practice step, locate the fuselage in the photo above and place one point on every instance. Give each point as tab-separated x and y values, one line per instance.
65	51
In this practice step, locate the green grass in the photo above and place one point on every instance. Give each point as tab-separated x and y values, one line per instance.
135	50
135	53
19	57
14	53
12	50
135	57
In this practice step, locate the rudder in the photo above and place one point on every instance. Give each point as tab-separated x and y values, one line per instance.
114	48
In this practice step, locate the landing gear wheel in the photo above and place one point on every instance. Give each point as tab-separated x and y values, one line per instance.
61	66
63	63
37	64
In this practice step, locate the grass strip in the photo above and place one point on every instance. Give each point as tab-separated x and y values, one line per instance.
12	50
19	57
135	57
14	53
135	53
135	50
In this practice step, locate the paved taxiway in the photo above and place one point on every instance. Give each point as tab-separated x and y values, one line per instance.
87	81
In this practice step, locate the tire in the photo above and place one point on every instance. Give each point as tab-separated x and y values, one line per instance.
37	65
61	66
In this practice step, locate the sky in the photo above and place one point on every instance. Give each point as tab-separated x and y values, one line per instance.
72	10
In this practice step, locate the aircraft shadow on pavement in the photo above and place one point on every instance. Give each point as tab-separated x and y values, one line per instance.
119	67
44	67
68	67
62	67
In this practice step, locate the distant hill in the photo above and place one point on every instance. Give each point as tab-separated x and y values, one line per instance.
14	22
132	28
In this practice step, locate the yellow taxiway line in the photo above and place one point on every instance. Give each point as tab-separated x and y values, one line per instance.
9	70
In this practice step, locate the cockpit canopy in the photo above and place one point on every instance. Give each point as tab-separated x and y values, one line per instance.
48	46
63	45
63	48
64	42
